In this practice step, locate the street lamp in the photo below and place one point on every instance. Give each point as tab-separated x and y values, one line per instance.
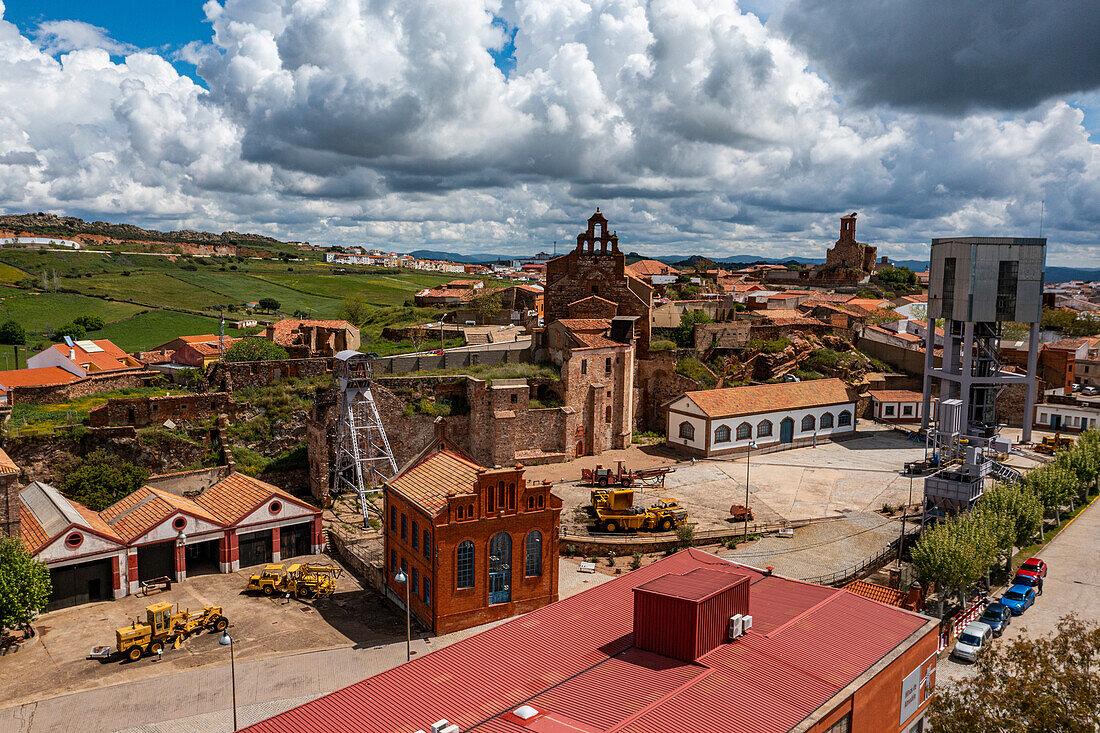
748	461
904	514
227	640
404	580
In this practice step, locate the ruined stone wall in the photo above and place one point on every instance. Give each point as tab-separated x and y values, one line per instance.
657	382
229	376
9	504
733	335
141	412
82	388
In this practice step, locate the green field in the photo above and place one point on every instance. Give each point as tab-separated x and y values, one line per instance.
38	313
153	328
244	288
149	288
386	289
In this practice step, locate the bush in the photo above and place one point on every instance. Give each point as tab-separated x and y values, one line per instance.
636	561
73	330
777	345
661	345
24	585
12	333
90	322
570	550
611	559
694	369
685	533
685	334
101	479
254	349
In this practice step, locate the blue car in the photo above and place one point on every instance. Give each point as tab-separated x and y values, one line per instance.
1018	598
997	617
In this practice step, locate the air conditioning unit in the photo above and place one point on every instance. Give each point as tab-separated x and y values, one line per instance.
450	729
746	623
438	726
736	626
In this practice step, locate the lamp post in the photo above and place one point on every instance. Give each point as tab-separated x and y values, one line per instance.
404	580
748	462
904	514
227	640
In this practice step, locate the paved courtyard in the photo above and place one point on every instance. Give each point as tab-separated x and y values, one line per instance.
284	657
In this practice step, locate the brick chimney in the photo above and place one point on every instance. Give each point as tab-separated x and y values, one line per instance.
686	616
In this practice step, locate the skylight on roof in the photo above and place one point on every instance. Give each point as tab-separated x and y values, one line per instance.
89	346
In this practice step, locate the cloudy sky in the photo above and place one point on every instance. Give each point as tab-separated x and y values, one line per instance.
499	125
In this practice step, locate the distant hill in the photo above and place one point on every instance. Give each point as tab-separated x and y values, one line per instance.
473	259
51	225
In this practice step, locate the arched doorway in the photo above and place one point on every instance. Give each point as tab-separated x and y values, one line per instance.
580	448
500	568
786	430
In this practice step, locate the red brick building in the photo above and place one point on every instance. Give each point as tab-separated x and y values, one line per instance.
477	544
573	279
691	642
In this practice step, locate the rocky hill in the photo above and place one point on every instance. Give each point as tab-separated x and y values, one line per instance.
68	227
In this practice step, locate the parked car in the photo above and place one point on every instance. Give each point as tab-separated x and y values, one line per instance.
1033	566
1090	391
972	641
997	617
1031	581
1018	598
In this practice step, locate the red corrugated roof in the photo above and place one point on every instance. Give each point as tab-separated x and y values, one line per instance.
573	662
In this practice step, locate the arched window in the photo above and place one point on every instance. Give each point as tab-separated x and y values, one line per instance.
533	561
826	420
607	414
464	566
511	496
844	418
764	429
722	434
489	495
687	431
530	502
500	495
808	423
540	501
744	431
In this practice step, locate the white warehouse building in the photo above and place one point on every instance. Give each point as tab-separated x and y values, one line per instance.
719	421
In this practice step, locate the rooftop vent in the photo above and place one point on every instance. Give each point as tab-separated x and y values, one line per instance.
686	616
525	712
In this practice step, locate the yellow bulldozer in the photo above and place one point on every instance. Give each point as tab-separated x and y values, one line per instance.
1052	444
163	626
615	511
301	580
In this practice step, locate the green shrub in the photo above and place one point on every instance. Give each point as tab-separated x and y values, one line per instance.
685	533
661	345
101	479
694	369
636	561
777	345
254	349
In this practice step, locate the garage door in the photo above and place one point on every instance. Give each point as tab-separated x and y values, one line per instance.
294	540
157	561
255	548
76	584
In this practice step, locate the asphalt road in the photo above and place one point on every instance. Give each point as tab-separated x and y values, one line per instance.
1072	585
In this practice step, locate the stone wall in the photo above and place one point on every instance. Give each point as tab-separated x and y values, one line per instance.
144	411
733	335
907	360
9	504
81	388
229	376
656	383
186	483
487	355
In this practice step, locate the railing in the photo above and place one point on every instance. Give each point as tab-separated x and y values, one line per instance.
705	536
849	573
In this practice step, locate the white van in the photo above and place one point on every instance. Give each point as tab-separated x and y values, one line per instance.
972	641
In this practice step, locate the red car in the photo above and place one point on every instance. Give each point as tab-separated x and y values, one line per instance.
1033	567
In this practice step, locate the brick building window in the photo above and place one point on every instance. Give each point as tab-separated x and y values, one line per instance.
458	513
514	398
489	494
416	536
584	366
427	591
393	561
464	565
722	434
533	561
416	582
764	429
687	431
888	410
844	725
540	501
826	420
607	414
809	423
511	496
607	365
844	419
404	527
744	431
500	494
393	519
906	410
427	545
530	502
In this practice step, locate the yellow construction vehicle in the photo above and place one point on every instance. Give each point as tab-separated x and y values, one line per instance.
301	580
1052	444
164	627
615	512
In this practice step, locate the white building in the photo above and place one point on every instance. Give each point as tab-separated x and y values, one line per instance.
1071	418
719	421
896	405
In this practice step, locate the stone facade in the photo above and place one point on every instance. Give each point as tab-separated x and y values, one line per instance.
227	376
141	412
847	252
573	278
657	382
54	394
499	501
9	497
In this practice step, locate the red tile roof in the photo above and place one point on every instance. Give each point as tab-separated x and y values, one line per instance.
110	359
756	398
649	268
147	507
573	662
7	465
37	377
876	592
427	482
896	395
32	535
237	495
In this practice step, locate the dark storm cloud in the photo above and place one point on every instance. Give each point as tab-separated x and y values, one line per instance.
952	55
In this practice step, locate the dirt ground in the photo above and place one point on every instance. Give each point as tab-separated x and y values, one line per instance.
55	661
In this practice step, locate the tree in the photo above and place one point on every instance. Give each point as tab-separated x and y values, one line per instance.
90	322
354	309
1047	684
24	585
12	333
101	479
73	330
486	306
684	336
269	304
897	278
254	349
1053	485
954	553
1022	510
